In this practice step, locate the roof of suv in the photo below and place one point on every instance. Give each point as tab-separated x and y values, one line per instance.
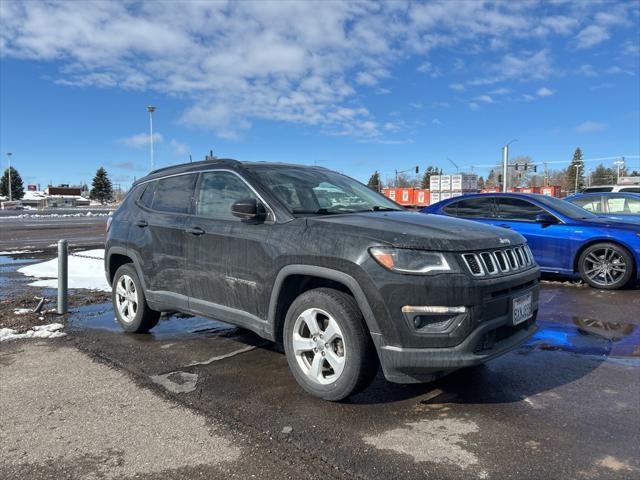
217	162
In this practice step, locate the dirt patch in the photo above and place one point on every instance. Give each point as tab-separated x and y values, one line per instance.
16	310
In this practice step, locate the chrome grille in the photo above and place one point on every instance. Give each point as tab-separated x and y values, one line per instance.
496	262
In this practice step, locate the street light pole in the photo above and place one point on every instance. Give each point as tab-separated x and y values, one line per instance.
151	109
505	162
577	166
9	173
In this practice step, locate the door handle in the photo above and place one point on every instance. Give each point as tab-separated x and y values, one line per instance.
504	225
142	223
195	231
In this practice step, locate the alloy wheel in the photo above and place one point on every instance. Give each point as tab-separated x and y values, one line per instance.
605	266
318	345
126	298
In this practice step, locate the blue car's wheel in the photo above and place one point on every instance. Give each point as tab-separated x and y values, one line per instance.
606	265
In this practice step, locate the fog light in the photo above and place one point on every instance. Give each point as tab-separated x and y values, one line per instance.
434	318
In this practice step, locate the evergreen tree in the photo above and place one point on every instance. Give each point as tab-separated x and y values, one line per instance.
426	177
602	176
576	167
374	182
492	180
480	183
17	188
101	188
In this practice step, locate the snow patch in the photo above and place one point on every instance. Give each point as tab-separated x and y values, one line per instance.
16	252
22	311
86	271
57	215
40	331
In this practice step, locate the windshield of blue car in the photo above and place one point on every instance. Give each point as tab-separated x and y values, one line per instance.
317	191
565	208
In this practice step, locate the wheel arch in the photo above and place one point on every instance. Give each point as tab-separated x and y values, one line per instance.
294	280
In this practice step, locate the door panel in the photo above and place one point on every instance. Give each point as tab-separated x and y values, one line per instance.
226	263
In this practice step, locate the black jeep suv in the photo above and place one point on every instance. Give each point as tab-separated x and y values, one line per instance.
345	278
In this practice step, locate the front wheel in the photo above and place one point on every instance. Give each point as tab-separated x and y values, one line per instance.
606	265
327	345
129	303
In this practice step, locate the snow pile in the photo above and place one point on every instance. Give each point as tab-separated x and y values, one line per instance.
22	311
16	252
86	270
41	331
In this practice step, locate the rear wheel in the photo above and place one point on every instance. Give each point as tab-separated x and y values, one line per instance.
129	303
328	347
606	265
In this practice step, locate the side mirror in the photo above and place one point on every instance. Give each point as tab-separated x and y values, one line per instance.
249	210
546	219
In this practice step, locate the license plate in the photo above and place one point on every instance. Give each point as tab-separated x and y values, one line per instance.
522	308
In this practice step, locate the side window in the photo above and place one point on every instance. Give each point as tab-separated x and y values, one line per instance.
630	189
479	207
591	204
517	209
217	192
173	194
623	205
146	199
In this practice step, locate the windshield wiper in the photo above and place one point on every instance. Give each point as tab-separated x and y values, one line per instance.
320	211
378	208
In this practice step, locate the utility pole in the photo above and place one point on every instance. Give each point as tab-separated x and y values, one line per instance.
505	163
9	172
577	169
151	109
546	175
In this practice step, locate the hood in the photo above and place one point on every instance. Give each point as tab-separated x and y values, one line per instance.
419	230
615	222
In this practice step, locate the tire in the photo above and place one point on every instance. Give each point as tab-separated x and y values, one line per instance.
340	366
606	265
129	302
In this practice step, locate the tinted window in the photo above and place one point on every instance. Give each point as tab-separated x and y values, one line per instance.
598	189
630	189
623	205
471	208
173	194
218	191
517	209
147	194
591	204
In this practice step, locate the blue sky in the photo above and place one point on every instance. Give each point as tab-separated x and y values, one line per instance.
356	87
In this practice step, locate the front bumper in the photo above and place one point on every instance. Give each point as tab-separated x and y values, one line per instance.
411	354
490	340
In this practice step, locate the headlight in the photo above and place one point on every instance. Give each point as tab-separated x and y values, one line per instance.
409	261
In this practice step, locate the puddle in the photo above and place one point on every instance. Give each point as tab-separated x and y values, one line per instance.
587	336
101	316
10	264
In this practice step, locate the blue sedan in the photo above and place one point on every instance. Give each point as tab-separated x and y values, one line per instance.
565	239
614	205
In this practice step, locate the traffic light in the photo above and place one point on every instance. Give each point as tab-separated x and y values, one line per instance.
417	169
499	178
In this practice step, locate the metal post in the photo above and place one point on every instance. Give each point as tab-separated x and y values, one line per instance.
9	172
63	276
577	169
505	159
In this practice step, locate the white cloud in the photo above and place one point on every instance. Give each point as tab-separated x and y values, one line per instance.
590	127
545	92
474	106
500	91
140	140
435	121
179	149
485	99
299	62
591	36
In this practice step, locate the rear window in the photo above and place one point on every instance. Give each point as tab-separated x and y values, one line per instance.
471	208
598	189
146	199
173	194
630	189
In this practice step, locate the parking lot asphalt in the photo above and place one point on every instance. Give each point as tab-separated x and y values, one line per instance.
562	406
40	230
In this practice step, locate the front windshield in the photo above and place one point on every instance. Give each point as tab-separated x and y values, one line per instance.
318	191
565	208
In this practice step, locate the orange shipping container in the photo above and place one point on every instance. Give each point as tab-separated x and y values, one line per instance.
421	197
